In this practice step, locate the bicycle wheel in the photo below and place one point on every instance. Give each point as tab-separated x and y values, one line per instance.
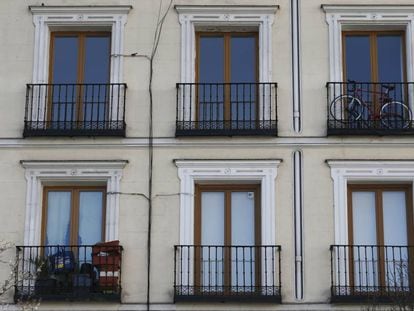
346	108
395	115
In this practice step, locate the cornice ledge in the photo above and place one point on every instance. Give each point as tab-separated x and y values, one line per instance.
62	164
226	9
367	8
76	9
367	164
254	163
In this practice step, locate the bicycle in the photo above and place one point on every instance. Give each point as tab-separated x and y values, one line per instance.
351	108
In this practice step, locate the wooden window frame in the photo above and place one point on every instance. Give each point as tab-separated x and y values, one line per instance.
74	209
227	35
228	190
379	189
81	36
373	35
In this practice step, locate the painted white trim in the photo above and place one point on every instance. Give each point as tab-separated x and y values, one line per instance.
340	17
192	16
47	17
39	173
192	171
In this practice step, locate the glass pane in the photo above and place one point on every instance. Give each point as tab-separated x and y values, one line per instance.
243	69
96	70
390	58
58	218
243	59
358	58
97	56
65	70
212	233
211	70
242	234
90	217
65	59
364	233
395	233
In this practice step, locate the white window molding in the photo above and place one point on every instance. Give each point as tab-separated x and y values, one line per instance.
192	171
46	18
346	17
193	16
344	172
39	173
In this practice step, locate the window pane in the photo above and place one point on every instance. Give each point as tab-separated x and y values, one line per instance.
96	70
58	218
243	69
65	70
358	58
65	59
211	59
211	70
243	59
390	58
90	217
364	225
242	233
212	218
97	56
212	233
395	233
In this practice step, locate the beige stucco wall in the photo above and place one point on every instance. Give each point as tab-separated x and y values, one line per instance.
16	70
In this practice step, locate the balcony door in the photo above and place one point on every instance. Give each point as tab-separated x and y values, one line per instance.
79	77
227	222
381	229
227	72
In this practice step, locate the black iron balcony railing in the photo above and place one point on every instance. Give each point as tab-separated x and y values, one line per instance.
356	108
372	273
75	110
227	273
226	109
72	272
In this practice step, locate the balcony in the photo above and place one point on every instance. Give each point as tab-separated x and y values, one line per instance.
227	273
75	110
370	108
75	273
226	109
371	273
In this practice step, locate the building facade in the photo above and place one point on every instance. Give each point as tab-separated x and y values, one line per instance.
207	154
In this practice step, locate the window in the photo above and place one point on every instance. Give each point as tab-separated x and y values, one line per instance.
73	215
227	216
77	87
227	245
381	229
227	75
79	75
373	212
374	56
43	174
226	86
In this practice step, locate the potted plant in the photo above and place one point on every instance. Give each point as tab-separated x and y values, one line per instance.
45	283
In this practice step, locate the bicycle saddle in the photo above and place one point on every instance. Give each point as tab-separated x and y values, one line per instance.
388	87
